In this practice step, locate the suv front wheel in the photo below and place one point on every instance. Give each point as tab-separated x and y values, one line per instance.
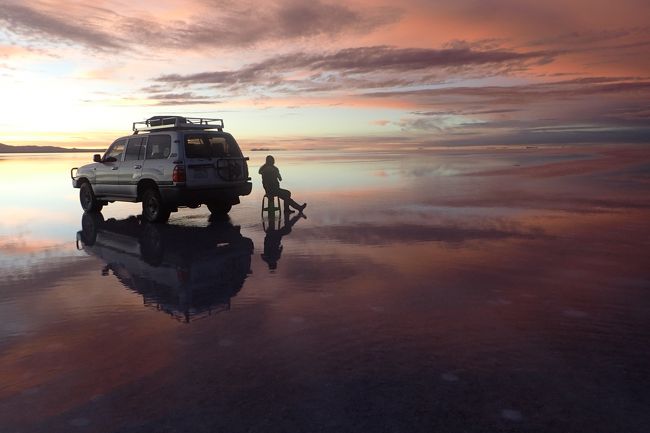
87	198
153	209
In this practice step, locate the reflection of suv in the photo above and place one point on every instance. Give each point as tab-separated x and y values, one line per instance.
180	161
187	272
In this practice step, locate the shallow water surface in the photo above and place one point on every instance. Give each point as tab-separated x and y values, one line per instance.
450	290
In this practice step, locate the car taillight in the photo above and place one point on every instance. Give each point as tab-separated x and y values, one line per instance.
178	175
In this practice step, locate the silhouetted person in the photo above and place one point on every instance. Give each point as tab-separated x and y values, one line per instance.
271	181
273	240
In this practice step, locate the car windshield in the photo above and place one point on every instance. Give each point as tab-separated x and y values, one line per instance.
211	146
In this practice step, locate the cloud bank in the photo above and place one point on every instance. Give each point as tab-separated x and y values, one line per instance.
214	25
445	72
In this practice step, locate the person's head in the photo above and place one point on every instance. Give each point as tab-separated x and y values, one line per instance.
270	160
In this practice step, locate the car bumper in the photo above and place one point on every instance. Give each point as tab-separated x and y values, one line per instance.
178	195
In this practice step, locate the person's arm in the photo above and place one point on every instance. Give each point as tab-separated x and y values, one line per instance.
279	175
260	170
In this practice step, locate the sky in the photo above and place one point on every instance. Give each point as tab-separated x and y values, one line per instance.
359	74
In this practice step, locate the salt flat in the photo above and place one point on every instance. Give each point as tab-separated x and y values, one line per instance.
467	289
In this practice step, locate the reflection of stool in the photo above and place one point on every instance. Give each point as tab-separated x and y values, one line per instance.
271	204
272	223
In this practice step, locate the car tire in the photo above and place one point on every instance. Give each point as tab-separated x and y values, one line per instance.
219	208
153	208
87	198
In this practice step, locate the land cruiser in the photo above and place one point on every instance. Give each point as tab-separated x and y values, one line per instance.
167	163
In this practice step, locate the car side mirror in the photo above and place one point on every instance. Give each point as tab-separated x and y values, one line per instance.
97	157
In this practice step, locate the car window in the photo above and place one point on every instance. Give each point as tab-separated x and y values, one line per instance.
211	146
116	150
159	146
135	149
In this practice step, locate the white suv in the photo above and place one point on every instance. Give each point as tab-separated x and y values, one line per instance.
177	162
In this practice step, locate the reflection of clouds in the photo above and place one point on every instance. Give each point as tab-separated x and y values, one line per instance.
84	365
428	301
368	234
557	198
31	266
24	257
568	165
336	175
24	216
21	245
43	209
318	271
440	170
22	290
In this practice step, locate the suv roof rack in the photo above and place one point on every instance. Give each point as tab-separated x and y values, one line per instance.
157	123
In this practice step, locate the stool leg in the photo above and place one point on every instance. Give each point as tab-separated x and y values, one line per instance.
271	203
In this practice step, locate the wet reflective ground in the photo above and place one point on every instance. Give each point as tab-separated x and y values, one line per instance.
470	290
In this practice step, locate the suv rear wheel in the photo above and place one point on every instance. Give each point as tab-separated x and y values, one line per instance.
153	209
87	198
219	208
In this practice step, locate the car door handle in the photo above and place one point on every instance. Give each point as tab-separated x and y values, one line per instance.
137	167
114	168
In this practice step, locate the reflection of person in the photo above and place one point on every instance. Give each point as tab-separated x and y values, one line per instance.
273	240
271	181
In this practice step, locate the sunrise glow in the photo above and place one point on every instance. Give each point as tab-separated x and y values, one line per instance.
418	73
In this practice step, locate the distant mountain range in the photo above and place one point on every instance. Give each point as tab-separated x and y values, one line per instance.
5	148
